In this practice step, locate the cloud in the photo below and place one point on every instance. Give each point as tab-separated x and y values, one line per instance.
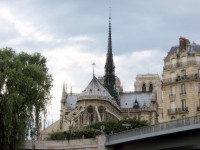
71	65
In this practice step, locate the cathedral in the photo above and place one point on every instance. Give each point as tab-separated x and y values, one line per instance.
103	99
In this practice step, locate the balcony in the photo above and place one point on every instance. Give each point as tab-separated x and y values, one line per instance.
182	109
198	108
182	78
172	95
172	111
182	93
173	66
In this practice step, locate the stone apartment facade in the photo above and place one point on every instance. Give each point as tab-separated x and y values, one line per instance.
181	81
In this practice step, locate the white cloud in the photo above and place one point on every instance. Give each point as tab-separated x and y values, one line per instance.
24	27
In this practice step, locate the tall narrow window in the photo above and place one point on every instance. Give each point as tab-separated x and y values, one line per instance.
173	76
101	112
199	73
198	60
199	88
184	61
150	88
143	88
183	89
172	90
183	74
90	115
183	102
173	63
173	107
81	118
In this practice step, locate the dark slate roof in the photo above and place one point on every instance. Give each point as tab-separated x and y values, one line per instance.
191	49
130	97
72	100
96	88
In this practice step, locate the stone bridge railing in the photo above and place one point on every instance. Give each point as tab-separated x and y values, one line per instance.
154	130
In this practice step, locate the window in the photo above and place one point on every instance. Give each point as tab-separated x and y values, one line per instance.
184	61
173	76
199	87
183	103
172	90
198	60
173	107
173	63
81	118
199	73
143	88
150	88
183	89
90	114
183	74
101	112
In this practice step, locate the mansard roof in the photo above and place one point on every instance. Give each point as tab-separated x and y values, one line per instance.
95	88
191	49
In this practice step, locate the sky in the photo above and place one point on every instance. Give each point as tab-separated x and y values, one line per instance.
72	34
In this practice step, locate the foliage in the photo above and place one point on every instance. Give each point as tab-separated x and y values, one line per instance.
24	92
75	134
116	126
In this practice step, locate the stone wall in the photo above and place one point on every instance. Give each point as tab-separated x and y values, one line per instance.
80	144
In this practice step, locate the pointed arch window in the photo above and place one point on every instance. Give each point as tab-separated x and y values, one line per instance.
144	87
90	114
101	112
81	118
151	88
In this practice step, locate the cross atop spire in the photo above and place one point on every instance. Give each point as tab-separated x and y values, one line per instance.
93	64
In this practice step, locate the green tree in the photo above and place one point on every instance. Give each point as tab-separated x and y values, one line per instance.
24	92
116	126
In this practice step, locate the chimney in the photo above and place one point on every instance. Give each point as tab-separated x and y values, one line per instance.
183	42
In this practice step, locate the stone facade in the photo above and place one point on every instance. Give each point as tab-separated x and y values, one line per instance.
148	83
181	81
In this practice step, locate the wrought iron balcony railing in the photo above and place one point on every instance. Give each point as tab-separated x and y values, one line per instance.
182	109
172	111
182	93
182	78
188	63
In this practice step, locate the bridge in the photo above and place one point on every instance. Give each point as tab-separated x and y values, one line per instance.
183	134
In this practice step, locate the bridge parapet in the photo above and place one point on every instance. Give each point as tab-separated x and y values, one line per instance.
154	130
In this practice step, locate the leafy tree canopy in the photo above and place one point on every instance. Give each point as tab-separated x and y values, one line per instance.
24	92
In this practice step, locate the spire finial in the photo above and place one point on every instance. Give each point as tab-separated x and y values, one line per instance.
71	90
93	64
110	13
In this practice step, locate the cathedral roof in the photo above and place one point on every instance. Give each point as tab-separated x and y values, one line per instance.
95	88
127	99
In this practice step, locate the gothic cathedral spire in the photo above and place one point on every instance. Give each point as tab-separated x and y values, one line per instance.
109	77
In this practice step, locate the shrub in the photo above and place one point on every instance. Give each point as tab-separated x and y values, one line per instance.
116	126
75	134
